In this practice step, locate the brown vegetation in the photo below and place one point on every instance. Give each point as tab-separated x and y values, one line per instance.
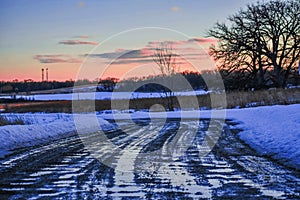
234	99
14	121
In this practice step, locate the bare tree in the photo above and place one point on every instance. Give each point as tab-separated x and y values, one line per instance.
166	60
263	40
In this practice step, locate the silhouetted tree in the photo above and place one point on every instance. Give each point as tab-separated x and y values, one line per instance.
165	58
107	84
261	41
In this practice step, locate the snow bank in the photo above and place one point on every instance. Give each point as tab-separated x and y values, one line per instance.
271	130
41	128
16	136
37	118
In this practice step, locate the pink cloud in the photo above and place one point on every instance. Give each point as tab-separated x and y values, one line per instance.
185	49
56	59
146	52
177	43
180	43
203	40
77	42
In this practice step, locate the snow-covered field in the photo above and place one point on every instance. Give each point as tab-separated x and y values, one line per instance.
103	95
271	130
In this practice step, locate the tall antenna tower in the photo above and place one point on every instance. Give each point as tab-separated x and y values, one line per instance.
42	74
47	74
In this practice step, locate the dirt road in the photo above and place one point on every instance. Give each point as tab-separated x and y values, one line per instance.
66	169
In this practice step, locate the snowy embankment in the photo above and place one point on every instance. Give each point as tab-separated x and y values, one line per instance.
271	130
39	128
47	129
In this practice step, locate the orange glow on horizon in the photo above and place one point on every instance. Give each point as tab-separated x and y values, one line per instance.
193	56
69	71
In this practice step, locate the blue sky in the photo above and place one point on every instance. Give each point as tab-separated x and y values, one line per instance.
32	27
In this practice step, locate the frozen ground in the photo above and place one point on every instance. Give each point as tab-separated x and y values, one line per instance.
271	130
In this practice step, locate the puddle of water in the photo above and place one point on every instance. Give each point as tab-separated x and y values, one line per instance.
13	189
40	173
223	170
23	183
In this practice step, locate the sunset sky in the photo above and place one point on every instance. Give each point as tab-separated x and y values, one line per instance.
59	35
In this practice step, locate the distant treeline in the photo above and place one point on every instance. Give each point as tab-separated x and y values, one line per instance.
178	81
206	80
159	83
30	85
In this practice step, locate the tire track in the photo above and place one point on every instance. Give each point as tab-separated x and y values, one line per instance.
150	161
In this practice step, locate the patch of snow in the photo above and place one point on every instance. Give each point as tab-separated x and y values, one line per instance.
41	128
271	130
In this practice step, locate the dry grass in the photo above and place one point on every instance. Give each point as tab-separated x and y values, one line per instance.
13	121
234	99
263	97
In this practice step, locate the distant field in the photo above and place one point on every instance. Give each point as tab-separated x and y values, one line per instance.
88	95
234	99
